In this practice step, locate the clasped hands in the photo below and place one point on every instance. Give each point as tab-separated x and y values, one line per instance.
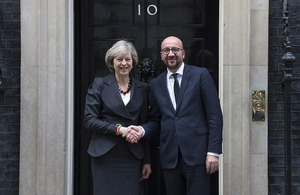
132	133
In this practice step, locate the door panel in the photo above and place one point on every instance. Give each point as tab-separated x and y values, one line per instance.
100	23
181	13
107	13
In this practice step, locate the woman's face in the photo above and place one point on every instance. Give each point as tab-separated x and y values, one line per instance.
123	65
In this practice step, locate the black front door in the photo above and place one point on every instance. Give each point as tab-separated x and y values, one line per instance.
100	23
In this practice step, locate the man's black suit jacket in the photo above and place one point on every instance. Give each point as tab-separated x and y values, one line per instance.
195	126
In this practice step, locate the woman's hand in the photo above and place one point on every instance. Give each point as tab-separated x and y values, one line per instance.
135	134
146	171
123	131
131	134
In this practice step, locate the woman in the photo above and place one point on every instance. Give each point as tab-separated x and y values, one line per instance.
112	104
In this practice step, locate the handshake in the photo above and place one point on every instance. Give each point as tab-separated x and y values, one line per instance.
132	133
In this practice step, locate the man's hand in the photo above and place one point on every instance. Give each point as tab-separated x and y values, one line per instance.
212	164
134	134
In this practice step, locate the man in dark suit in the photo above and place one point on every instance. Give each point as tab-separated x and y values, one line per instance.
185	109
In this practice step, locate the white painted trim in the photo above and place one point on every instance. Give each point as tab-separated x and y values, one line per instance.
69	170
221	49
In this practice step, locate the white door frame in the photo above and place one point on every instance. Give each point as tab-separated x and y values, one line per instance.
47	96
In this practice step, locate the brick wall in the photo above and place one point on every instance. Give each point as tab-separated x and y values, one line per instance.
276	99
9	96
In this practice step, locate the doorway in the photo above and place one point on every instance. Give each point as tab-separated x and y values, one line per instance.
100	23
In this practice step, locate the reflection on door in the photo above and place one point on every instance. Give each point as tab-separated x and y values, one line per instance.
100	23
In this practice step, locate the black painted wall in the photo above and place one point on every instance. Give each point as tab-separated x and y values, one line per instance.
9	96
276	98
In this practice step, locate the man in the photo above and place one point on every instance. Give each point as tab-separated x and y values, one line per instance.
185	109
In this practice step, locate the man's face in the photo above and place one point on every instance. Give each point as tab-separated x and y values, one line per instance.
172	53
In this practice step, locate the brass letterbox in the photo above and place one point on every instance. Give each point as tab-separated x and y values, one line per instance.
258	105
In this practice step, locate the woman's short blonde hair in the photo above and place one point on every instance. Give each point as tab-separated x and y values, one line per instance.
120	48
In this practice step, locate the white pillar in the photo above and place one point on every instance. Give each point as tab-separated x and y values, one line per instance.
243	68
46	78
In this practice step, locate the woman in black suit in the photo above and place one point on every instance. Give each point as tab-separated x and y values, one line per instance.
112	104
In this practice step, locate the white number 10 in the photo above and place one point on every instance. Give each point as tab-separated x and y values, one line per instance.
151	13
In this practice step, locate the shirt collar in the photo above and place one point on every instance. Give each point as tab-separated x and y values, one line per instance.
179	71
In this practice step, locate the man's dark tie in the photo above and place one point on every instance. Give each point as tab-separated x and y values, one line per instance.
176	86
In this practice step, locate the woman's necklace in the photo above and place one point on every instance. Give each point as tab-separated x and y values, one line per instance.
128	88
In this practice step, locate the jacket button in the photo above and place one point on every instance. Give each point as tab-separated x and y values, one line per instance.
176	118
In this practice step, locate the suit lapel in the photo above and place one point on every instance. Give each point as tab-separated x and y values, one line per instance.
112	98
136	98
165	91
184	83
